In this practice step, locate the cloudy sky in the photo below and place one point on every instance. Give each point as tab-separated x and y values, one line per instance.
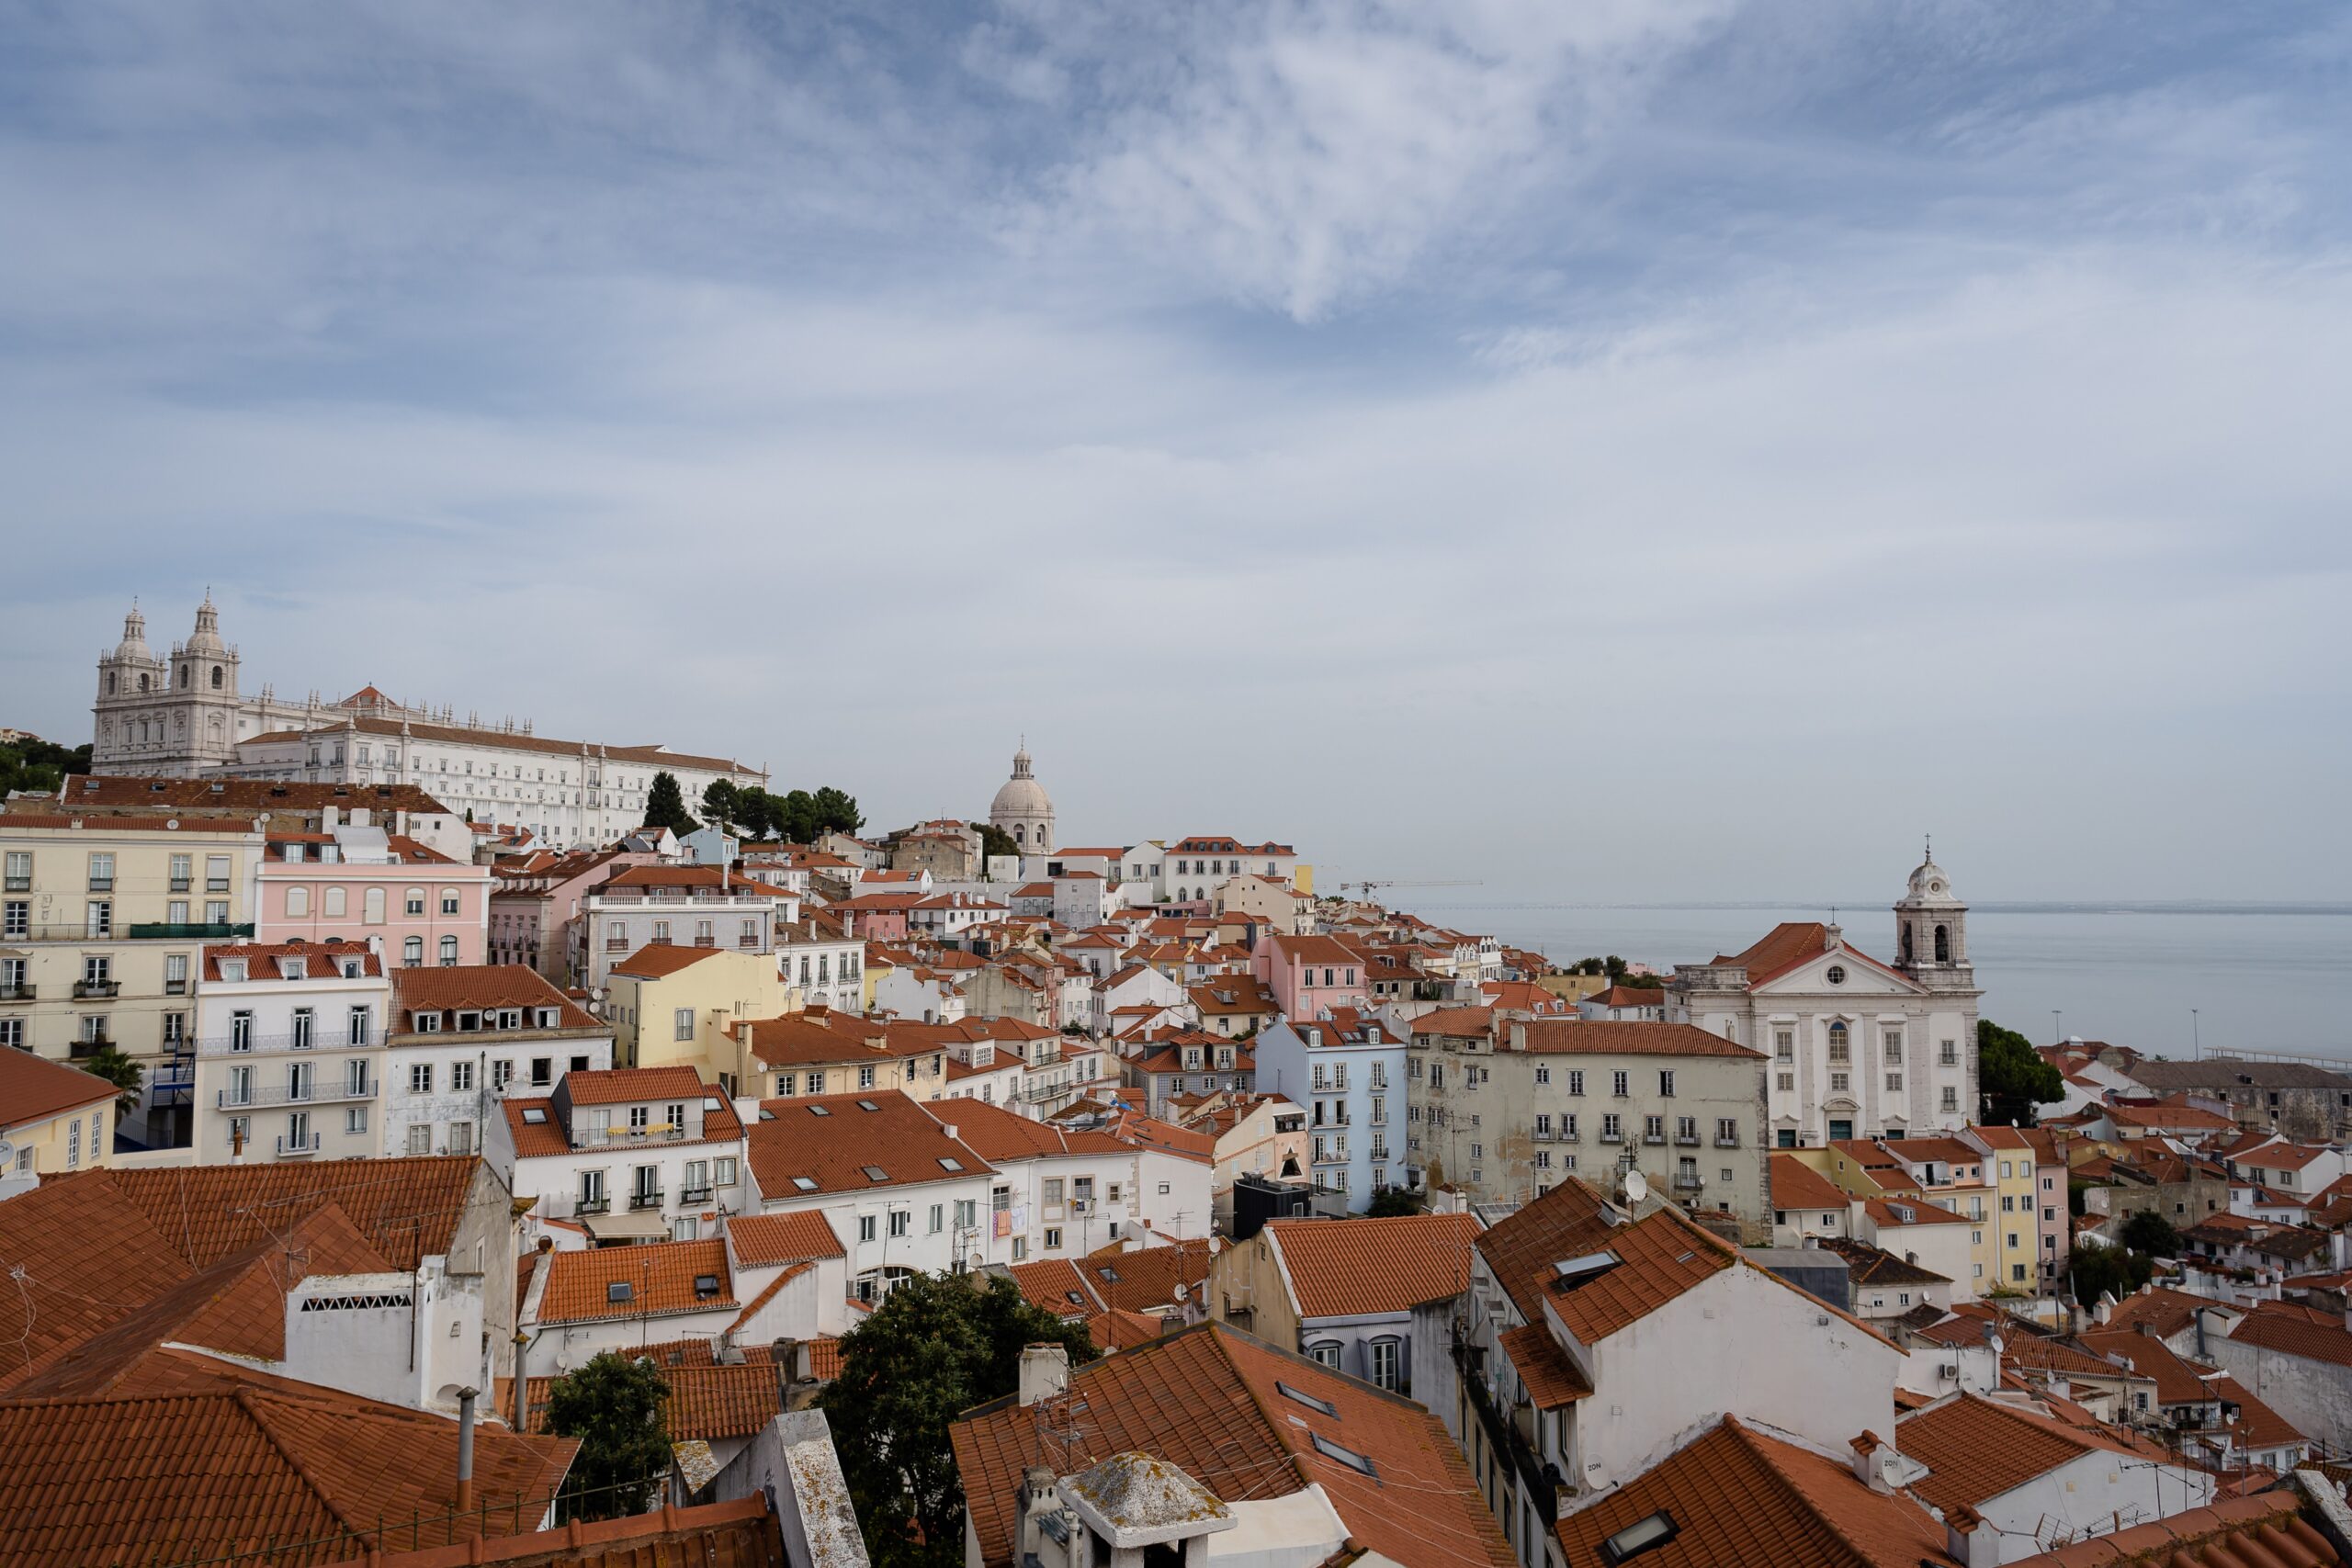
1639	450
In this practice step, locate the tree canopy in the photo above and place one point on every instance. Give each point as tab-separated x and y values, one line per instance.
112	1064
2012	1076
31	764
938	1344
799	817
614	1406
995	841
665	805
1391	1201
2151	1232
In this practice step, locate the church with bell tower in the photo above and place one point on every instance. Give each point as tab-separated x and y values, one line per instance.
178	714
1855	1047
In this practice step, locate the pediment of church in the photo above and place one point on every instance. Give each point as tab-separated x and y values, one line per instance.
1857	975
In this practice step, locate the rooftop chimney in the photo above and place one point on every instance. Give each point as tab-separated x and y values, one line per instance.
466	1397
1044	1373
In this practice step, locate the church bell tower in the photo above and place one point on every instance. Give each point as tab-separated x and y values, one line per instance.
1931	930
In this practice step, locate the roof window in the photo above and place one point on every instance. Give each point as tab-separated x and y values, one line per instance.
1320	1406
1346	1456
618	1291
875	1173
1571	1273
706	1286
805	1183
947	1162
534	1116
868	1105
1642	1534
819	1110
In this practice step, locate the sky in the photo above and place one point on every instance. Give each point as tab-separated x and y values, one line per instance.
1608	452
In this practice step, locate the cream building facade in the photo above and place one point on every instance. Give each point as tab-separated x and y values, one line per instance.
53	1120
1858	1047
103	922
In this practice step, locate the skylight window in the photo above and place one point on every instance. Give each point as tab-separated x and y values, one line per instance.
1570	1272
706	1284
1346	1456
1320	1406
805	1183
710	1102
1109	1275
819	1110
946	1163
1642	1534
618	1291
533	1116
875	1173
868	1105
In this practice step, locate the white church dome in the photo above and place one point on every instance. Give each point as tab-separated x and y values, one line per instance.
1021	796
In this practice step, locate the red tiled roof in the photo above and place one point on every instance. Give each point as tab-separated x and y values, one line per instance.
33	1089
661	1276
140	1479
1122	1330
1976	1448
465	988
2267	1529
2258	1425
764	1240
721	1402
1348	1267
1742	1497
1796	1185
741	1534
623	1086
2297	1331
833	1140
1145	1278
1551	1378
2178	1382
1205	1400
658	960
2167	1310
1056	1284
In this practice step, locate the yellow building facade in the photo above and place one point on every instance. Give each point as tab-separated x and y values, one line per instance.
679	1005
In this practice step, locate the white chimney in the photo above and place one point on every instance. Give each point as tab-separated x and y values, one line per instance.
1044	1373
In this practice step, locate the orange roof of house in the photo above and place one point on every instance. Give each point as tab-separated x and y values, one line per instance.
1551	1378
656	960
1145	1278
139	1478
2297	1331
1906	1211
764	1240
1122	1330
1351	1268
1976	1448
2167	1310
1796	1185
623	1086
2269	1530
660	1276
1740	1496
1055	1285
466	987
841	1141
721	1402
741	1534
1205	1400
2179	1381
33	1089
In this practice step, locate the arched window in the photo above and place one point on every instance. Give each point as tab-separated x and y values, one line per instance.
297	902
449	952
1943	944
1906	942
1326	1351
413	952
1017	834
142	682
1838	1040
183	677
375	906
216	677
109	683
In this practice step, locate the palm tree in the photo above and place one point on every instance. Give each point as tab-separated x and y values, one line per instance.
108	1061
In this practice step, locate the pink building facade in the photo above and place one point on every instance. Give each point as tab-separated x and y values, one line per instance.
1309	973
415	907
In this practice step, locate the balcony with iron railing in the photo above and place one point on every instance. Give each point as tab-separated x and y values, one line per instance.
645	1199
292	1146
327	1093
189	931
610	1137
695	1194
680	897
1687	1181
85	931
17	991
267	1045
591	1206
1689	1140
84	1046
1726	1141
97	990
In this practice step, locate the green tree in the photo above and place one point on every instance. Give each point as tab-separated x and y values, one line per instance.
1644	982
722	802
1390	1202
614	1406
796	817
40	765
2151	1232
995	841
108	1061
836	812
2114	1270
665	805
2012	1076
938	1344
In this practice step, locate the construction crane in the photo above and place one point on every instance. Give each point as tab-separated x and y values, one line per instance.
1369	888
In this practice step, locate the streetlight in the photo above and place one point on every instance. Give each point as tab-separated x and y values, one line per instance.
2058	1026
2196	1043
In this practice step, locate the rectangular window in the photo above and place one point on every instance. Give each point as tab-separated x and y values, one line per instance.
183	874
1784	1044
682	1023
420	1078
1665	1082
461	1076
865	1227
900	1221
1620	1083
1895	1083
448	902
1386	1362
101	881
20	871
1950	1100
1612	1128
216	874
1893	1047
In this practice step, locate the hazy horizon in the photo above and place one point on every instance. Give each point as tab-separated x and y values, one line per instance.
1652	452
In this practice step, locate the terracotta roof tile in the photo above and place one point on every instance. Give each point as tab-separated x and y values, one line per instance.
836	1142
765	1240
658	960
1976	1448
2166	1310
1740	1496
1145	1279
1122	1330
1056	1285
1205	1401
33	1089
1551	1378
622	1086
2297	1331
660	1277
465	988
1346	1268
2267	1529
1796	1185
741	1534
238	1458
721	1402
2179	1381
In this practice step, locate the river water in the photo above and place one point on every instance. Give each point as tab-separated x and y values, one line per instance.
2260	978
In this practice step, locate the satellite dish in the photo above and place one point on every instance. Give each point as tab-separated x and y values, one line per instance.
1636	1187
7	1151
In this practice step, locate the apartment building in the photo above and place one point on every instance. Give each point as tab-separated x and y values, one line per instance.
362	882
288	1059
1347	1074
463	1039
54	1119
682	906
102	924
630	1154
